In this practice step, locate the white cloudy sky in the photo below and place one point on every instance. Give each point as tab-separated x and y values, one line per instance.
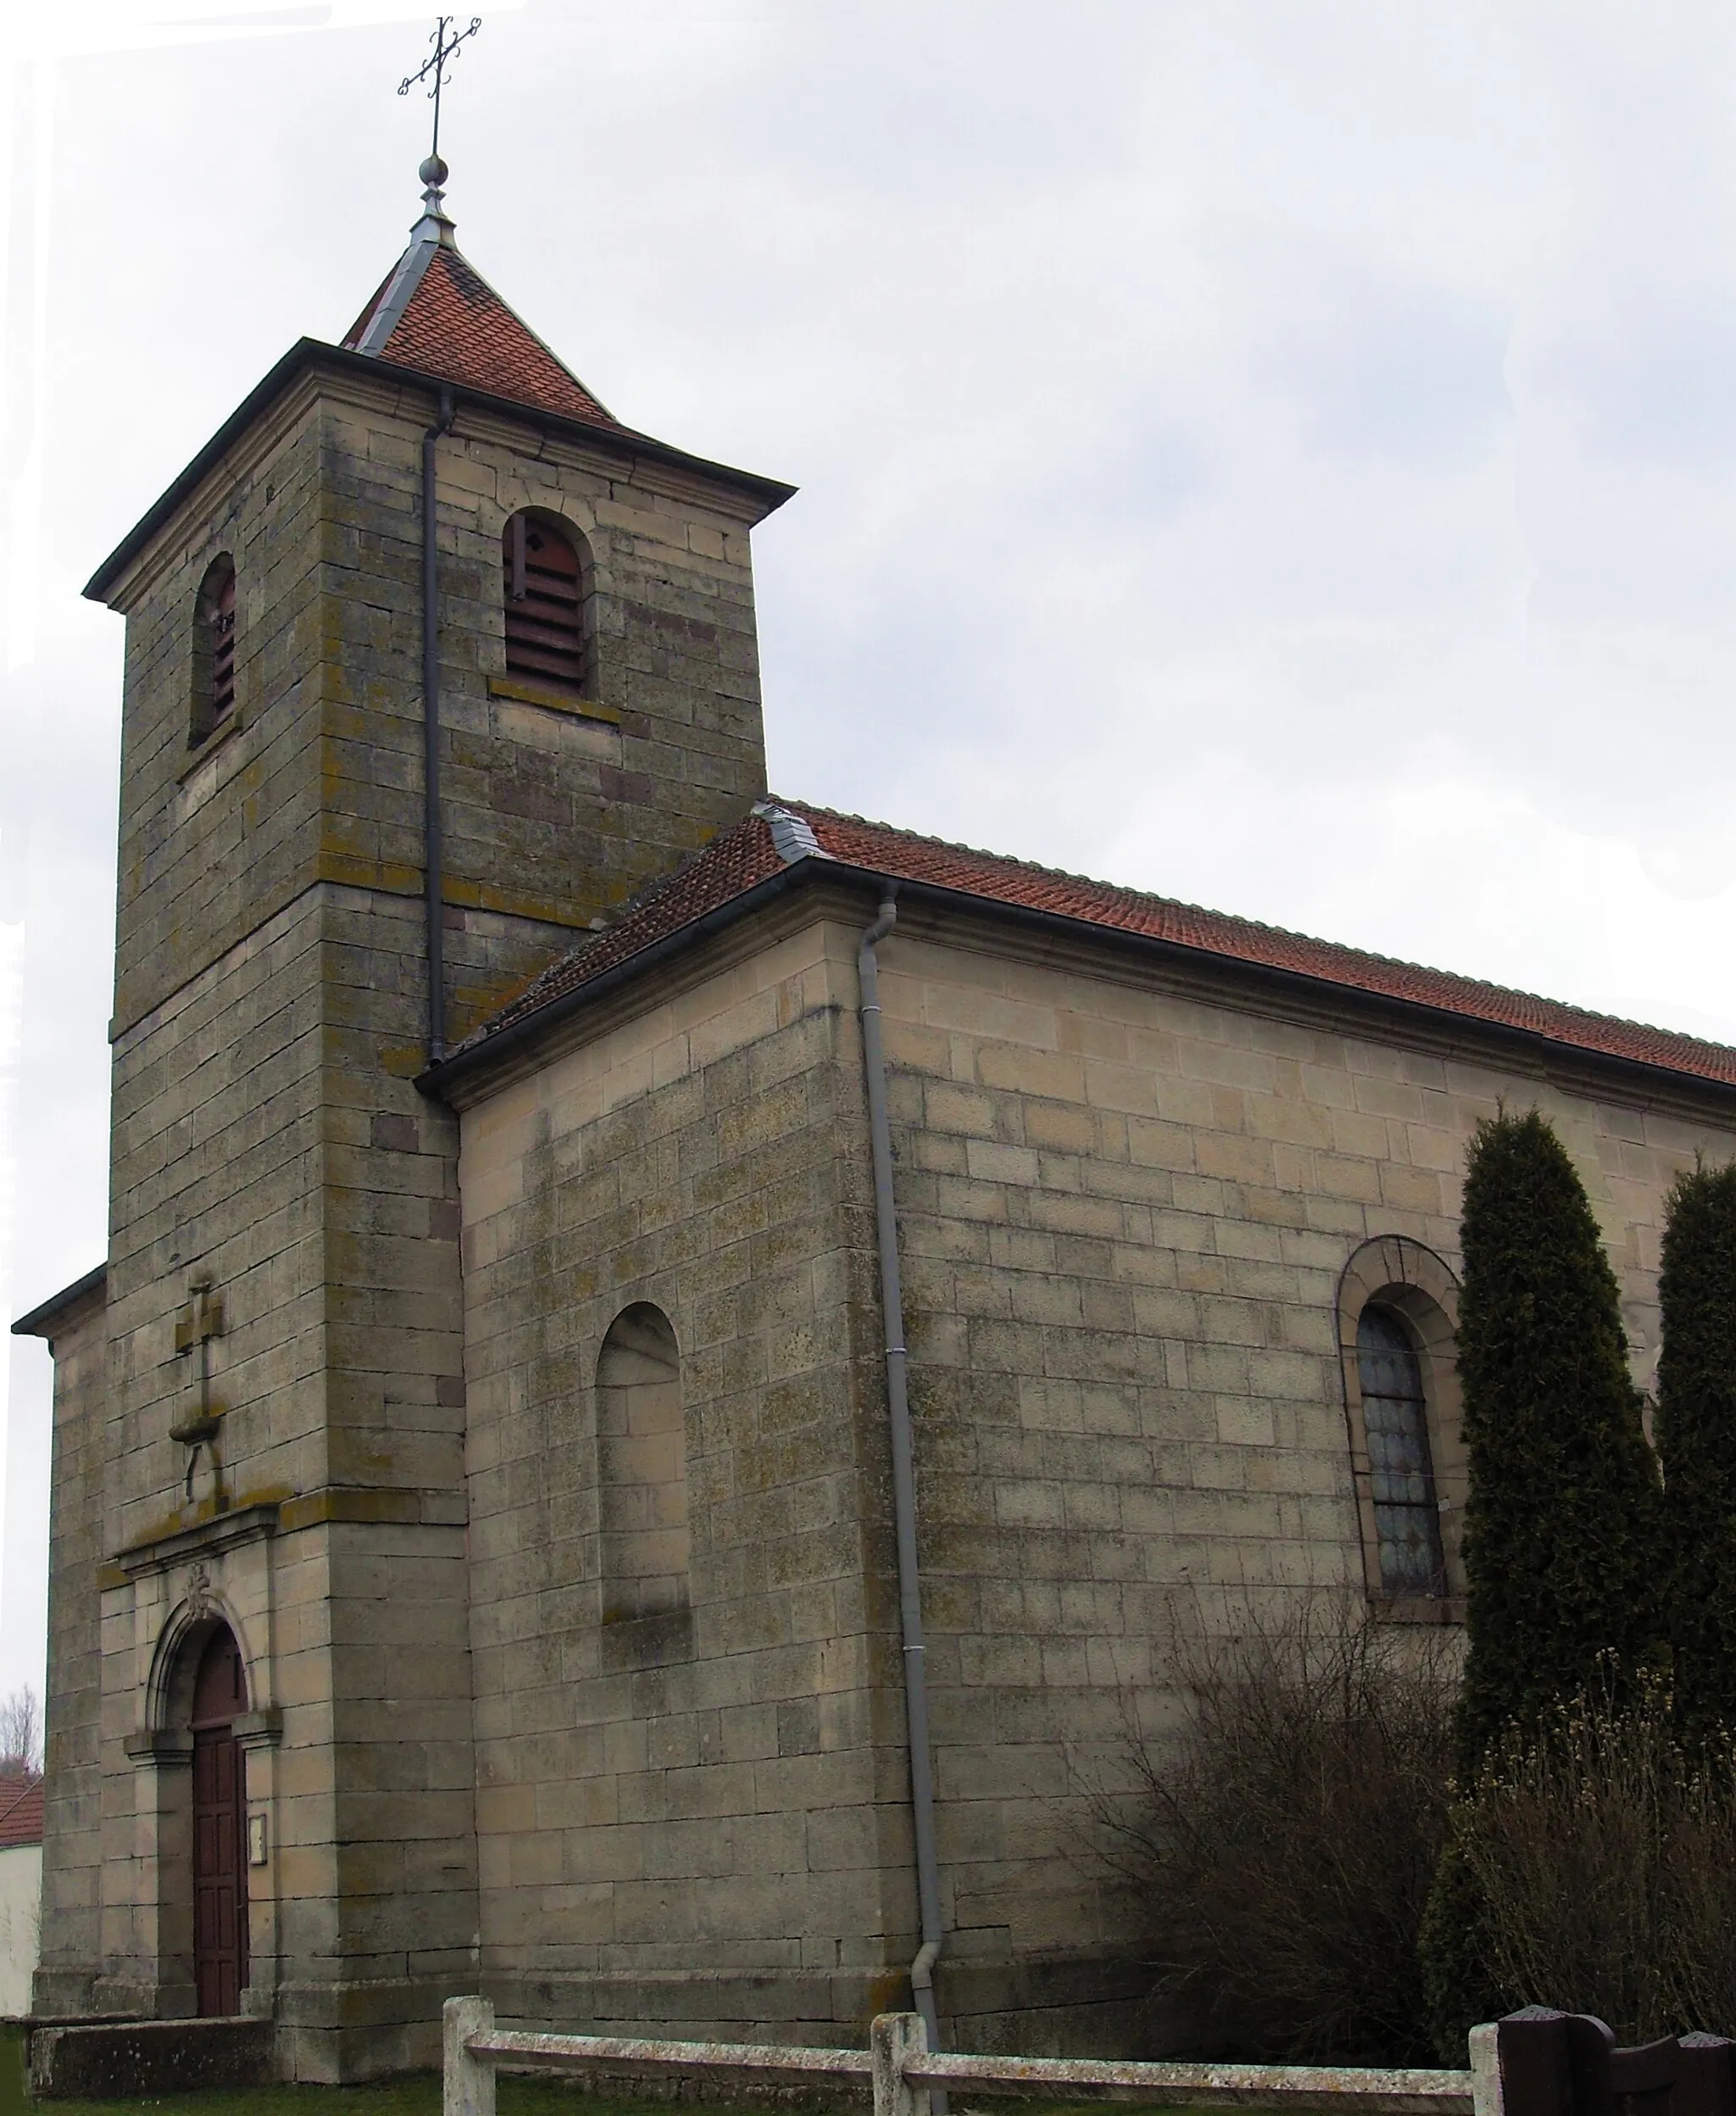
1282	455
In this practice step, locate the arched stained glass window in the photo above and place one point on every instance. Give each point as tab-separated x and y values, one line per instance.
1395	1418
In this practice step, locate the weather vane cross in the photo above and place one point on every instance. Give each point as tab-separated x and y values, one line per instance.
445	48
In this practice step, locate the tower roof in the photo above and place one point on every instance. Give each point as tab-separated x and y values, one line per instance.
435	313
435	319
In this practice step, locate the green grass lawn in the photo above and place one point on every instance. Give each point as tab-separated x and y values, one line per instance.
516	2095
415	2096
419	2095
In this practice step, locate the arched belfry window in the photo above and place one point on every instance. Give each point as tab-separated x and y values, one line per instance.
214	651
1407	1520
546	578
1398	1323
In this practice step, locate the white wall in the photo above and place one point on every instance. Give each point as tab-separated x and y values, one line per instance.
20	1898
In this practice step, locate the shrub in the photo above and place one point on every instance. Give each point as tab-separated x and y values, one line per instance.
1280	1848
1696	1436
1604	1852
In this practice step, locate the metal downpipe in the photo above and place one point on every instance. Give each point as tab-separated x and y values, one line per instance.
433	854
904	1485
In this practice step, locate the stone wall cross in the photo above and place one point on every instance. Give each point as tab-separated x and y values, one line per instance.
198	1323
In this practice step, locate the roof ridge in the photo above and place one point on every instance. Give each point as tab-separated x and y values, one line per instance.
811	809
438	315
380	319
737	863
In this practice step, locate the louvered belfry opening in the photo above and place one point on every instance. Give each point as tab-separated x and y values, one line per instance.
213	699
545	605
222	622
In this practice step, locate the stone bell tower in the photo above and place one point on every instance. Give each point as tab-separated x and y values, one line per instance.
259	1425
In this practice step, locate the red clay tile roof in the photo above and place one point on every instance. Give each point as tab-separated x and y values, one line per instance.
746	855
455	326
20	1811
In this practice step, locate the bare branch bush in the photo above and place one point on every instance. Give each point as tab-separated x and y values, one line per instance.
20	1732
1605	1849
1280	1845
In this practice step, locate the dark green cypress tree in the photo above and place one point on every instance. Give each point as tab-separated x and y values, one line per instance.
1563	1541
1562	1530
1696	1436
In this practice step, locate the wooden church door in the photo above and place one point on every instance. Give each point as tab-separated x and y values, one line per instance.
219	1828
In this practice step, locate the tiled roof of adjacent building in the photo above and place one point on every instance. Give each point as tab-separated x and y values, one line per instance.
769	841
20	1810
450	323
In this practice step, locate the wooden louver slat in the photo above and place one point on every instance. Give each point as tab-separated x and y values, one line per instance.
222	622
544	609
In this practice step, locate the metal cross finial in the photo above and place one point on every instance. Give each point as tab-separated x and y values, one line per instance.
445	48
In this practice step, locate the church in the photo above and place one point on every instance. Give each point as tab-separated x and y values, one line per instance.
669	1359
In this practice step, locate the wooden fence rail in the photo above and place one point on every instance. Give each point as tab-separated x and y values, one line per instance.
903	2071
1537	2063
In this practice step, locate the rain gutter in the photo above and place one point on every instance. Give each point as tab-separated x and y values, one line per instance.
433	850
904	1479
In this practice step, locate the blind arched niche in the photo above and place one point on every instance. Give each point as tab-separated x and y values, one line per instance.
642	1460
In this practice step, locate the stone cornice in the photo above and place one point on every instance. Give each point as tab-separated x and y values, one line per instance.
202	1539
812	891
312	370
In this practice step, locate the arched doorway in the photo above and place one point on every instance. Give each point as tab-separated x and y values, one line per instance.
220	1827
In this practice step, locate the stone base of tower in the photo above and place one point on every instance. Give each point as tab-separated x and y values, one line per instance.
1076	2004
107	2060
339	2033
320	2034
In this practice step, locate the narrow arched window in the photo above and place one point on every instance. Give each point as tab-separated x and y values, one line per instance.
642	1462
546	578
1401	1467
214	651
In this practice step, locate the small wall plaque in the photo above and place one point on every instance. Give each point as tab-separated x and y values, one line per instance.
256	1840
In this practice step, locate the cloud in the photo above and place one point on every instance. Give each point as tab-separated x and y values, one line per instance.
1277	457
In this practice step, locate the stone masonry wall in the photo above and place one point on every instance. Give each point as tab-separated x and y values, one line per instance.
72	1842
1126	1199
554	812
702	1824
1124	1213
270	1011
243	1151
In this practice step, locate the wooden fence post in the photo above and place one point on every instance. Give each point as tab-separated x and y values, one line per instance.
1706	2082
468	2082
892	2038
1532	2058
1486	2070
